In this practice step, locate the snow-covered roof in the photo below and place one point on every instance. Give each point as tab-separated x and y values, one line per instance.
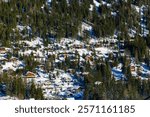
97	4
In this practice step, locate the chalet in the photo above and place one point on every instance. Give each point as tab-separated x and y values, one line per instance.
112	42
89	58
72	71
39	59
30	75
132	68
115	53
122	42
122	52
13	59
86	26
21	66
3	60
78	46
16	49
42	67
3	50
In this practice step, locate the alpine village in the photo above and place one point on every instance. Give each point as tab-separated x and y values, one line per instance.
74	49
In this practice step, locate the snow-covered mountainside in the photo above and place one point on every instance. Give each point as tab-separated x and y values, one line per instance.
74	49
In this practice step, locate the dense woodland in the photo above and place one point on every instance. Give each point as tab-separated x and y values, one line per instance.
61	19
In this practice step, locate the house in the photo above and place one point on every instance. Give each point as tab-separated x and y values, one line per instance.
3	60
132	68
21	66
30	75
42	67
122	52
72	71
78	44
86	26
89	58
13	59
39	59
3	50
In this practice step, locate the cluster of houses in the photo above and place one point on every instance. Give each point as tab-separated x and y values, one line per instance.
8	61
60	84
56	84
67	84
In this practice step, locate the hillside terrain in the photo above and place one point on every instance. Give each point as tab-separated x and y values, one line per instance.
74	49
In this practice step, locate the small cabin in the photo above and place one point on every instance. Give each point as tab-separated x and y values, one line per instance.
3	50
30	75
132	68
